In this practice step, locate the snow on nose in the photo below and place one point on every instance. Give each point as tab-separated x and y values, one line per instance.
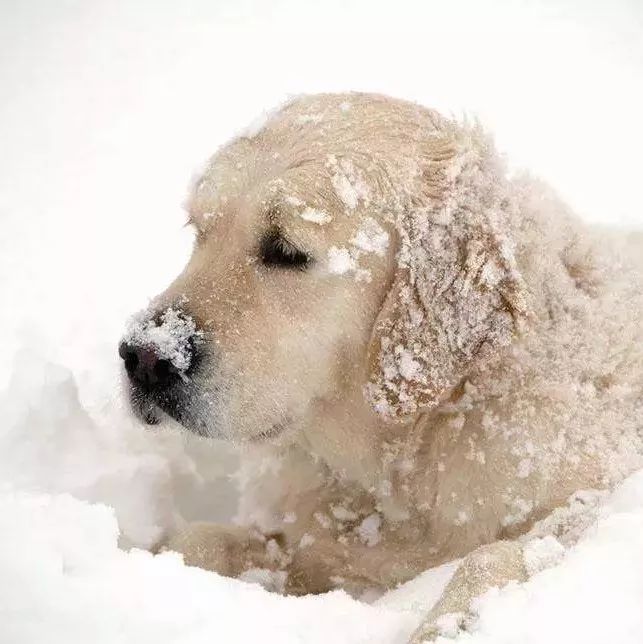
154	348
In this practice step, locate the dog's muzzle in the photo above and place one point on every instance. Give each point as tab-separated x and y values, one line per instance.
160	353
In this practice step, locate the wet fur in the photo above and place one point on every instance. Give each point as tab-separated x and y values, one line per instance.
453	392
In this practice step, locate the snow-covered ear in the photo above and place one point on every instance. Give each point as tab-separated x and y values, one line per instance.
457	295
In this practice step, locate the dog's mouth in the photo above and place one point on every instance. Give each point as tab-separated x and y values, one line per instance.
272	433
153	408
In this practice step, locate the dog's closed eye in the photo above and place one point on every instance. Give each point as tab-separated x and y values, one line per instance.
277	251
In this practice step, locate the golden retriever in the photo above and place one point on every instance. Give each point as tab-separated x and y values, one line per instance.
418	354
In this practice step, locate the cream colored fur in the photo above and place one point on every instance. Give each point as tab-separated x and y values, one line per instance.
461	356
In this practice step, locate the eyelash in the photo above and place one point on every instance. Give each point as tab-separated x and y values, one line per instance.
279	252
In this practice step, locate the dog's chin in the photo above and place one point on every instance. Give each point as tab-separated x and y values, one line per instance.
184	420
152	411
155	415
270	435
144	408
155	411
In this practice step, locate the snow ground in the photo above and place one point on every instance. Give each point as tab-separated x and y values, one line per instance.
105	108
66	581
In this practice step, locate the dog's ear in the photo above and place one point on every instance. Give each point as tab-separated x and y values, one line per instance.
457	295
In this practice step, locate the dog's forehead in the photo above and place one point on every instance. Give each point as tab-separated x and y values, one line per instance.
317	164
253	195
322	194
326	207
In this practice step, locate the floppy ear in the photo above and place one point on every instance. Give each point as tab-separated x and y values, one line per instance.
457	295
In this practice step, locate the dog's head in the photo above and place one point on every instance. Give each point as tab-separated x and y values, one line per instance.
352	250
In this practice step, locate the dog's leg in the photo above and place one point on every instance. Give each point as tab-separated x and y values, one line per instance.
491	565
228	550
246	554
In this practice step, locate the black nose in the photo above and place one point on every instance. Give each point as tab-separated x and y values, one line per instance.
144	366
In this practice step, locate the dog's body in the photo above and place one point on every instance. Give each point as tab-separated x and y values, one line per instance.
451	355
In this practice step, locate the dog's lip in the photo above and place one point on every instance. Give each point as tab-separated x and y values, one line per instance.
150	409
150	416
144	408
153	412
275	430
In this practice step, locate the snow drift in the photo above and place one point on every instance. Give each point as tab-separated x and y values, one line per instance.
66	580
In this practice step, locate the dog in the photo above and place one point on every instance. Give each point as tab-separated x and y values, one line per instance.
419	355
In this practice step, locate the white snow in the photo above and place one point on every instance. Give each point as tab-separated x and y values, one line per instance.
348	183
408	366
371	237
521	509
542	553
105	109
316	216
594	595
170	339
369	530
311	118
65	580
343	514
340	261
345	190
